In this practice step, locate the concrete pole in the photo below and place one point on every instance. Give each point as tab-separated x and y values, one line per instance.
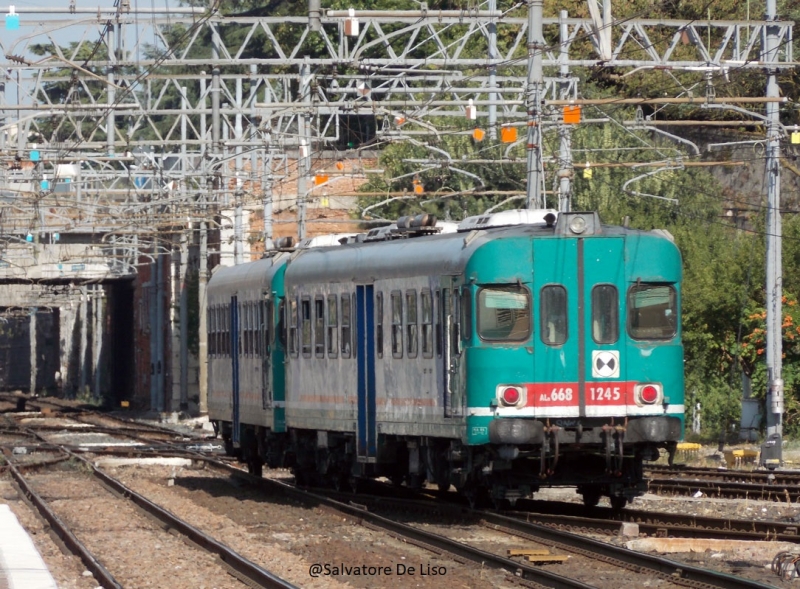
184	322
202	281
152	293
492	72
564	131
97	338
175	332
84	339
160	324
34	350
304	155
774	336
533	100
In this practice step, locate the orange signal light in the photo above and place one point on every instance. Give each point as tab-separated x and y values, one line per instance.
419	189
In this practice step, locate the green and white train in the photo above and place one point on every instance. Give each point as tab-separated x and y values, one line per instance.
518	350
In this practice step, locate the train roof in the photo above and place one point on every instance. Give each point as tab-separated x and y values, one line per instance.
251	277
432	254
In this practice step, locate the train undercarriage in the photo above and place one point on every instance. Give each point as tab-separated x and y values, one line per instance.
498	473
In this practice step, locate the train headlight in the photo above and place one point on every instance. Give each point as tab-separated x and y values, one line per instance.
648	394
511	396
577	225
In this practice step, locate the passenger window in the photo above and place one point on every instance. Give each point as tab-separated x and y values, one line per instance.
444	313
293	347
553	311
427	324
439	311
319	327
411	323
605	314
248	329
504	313
652	311
305	326
455	325
210	330
466	313
397	325
379	323
346	335
333	327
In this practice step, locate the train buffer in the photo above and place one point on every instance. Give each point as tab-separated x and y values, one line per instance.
538	556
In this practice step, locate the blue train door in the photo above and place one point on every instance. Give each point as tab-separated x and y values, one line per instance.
365	358
234	347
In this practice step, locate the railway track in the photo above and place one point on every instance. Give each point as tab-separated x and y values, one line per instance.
604	520
765	477
549	531
725	489
229	562
519	525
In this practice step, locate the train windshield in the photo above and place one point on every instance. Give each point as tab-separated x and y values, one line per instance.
652	311
504	313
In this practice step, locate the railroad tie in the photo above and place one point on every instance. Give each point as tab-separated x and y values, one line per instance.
538	556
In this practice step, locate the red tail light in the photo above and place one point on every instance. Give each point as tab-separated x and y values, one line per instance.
649	394
511	396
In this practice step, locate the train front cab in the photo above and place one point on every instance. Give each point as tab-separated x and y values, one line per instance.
575	367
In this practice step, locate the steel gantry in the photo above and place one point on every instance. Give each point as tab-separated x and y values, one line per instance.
145	122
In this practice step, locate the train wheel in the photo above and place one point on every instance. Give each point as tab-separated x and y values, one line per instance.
255	467
591	498
618	502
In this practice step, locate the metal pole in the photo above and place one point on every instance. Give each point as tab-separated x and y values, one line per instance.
533	99
774	272
304	155
564	131
314	12
492	72
238	229
267	201
112	97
